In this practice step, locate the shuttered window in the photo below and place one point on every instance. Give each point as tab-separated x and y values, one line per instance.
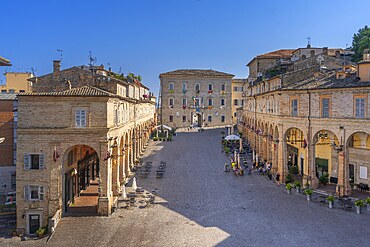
34	193
33	161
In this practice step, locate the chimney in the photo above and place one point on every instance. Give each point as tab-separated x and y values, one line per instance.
325	51
56	69
366	55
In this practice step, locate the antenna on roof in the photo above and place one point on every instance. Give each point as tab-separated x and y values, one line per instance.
308	42
92	60
61	54
33	70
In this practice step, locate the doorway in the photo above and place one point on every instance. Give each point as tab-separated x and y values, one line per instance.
34	223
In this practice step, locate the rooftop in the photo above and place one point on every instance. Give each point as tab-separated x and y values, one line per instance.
196	72
327	81
8	96
4	62
282	53
80	91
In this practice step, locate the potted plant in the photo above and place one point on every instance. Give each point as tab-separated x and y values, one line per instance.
297	185
308	193
288	188
41	232
359	204
331	200
367	201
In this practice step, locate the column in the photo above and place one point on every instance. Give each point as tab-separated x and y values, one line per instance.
281	157
105	183
343	186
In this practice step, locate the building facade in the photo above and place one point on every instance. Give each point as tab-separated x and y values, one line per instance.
87	142
314	121
17	82
8	135
237	96
196	98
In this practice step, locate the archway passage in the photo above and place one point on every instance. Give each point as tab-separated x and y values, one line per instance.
326	159
80	181
355	174
296	144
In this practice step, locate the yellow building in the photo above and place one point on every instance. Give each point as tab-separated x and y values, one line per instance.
17	82
237	101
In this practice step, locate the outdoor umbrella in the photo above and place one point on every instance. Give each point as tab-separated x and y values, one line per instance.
232	138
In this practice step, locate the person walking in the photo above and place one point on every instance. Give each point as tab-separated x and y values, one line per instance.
277	176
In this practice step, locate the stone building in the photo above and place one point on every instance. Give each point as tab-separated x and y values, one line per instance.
194	97
237	96
315	121
78	141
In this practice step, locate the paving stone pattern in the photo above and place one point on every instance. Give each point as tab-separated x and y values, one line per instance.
200	205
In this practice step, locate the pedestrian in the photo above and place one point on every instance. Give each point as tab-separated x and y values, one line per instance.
277	176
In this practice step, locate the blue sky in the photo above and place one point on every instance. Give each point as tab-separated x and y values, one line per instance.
148	37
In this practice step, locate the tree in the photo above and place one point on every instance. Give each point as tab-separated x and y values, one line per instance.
361	41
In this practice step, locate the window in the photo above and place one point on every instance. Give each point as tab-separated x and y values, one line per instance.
197	87
80	117
209	119
184	101
115	116
11	91
222	119
197	101
294	107
171	86
170	102
184	87
235	102
210	102
235	89
210	87
34	193
3	90
222	102
171	118
223	87
22	91
360	107
33	161
325	107
242	102
183	119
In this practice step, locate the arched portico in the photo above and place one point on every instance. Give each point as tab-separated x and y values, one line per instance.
80	174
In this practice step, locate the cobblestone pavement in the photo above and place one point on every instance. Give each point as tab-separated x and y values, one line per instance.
200	205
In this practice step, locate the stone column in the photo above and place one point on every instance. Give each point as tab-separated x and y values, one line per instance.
105	183
281	157
343	186
274	163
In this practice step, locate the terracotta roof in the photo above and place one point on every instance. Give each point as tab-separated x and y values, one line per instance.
4	62
80	91
196	72
282	53
239	80
8	96
327	82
